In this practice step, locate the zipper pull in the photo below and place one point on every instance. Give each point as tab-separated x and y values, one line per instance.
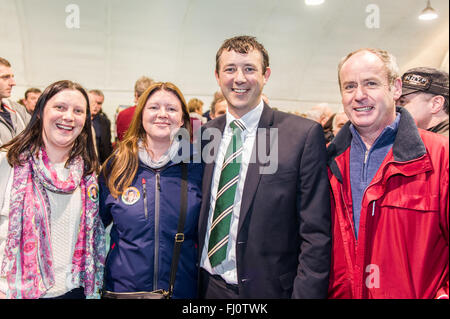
157	181
144	192
365	156
373	208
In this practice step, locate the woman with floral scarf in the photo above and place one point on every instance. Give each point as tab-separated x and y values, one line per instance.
51	237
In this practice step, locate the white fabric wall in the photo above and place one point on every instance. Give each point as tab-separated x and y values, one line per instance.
176	40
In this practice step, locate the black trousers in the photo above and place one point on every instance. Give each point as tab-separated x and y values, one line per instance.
77	293
214	287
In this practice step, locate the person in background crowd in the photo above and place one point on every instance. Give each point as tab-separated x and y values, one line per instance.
13	116
339	121
218	106
195	108
30	98
140	187
101	124
425	96
313	115
264	230
324	111
328	129
390	192
321	113
51	235
207	114
124	117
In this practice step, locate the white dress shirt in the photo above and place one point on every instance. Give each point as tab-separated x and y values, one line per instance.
227	269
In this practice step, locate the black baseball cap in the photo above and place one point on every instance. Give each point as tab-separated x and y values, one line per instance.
427	80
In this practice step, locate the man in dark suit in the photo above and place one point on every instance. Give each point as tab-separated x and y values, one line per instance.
101	124
264	225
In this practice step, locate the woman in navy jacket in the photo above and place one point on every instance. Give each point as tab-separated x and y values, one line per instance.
140	187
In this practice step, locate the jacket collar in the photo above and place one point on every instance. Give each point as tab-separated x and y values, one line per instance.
441	127
407	145
7	105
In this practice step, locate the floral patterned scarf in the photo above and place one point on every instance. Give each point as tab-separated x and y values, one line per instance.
27	264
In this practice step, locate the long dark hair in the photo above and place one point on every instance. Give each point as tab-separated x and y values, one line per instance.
30	140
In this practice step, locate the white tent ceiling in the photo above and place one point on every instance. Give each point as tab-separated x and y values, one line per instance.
176	40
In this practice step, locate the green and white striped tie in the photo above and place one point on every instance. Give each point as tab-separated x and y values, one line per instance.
229	177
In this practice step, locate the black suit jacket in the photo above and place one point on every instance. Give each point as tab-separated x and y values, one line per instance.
102	127
283	247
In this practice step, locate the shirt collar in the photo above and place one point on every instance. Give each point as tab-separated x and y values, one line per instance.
250	119
387	136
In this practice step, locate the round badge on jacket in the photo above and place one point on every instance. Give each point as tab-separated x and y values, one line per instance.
93	192
131	195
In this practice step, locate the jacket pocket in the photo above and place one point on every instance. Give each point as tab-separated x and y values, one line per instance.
415	202
279	177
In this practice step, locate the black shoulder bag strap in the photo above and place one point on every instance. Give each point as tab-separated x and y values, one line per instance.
179	236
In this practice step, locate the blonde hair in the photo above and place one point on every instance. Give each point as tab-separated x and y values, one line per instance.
121	167
195	105
218	97
142	84
5	62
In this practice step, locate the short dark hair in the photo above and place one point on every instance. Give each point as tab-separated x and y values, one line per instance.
445	104
31	90
243	44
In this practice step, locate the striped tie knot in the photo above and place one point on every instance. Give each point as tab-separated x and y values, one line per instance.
237	125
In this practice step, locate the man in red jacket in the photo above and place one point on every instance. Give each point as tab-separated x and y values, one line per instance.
389	187
124	117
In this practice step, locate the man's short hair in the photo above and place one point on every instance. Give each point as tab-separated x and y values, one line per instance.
389	61
426	80
243	44
97	92
142	84
31	90
5	62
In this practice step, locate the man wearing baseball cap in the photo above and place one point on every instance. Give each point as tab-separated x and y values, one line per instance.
425	96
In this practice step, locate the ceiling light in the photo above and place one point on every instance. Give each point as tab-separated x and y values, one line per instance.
314	2
428	13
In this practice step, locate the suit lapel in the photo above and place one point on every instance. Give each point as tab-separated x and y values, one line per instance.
253	173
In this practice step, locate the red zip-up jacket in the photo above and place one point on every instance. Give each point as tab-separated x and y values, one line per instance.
402	249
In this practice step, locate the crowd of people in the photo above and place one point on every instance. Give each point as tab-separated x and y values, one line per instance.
357	206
